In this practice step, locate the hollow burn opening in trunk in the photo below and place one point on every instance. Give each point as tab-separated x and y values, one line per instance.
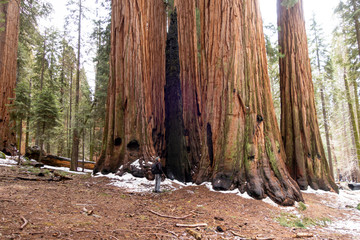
209	143
117	141
133	145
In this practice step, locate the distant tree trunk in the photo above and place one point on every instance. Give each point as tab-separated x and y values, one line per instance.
28	119
61	142
83	149
357	24
357	104
92	143
9	30
134	126
323	106
42	142
352	117
241	144
327	131
38	128
306	159
190	79
70	114
20	135
76	138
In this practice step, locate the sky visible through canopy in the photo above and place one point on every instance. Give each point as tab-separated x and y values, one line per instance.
323	10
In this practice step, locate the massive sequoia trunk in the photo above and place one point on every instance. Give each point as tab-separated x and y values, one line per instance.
190	80
306	158
135	115
241	143
9	29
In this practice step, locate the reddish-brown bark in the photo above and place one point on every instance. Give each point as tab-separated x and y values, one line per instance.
241	141
189	77
9	30
306	159
135	106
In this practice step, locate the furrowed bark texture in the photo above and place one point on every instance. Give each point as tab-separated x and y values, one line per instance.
9	31
190	80
135	106
306	159
241	144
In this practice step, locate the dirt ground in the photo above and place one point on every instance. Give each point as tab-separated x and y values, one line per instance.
89	208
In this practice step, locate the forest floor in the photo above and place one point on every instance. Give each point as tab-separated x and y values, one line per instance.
112	207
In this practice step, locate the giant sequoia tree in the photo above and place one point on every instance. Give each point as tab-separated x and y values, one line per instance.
242	143
134	126
9	28
225	121
305	154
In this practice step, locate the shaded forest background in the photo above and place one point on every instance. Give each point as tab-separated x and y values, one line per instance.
47	113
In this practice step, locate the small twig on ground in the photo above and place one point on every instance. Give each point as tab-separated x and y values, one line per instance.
85	204
25	223
191	225
114	237
237	235
83	230
156	234
173	217
36	233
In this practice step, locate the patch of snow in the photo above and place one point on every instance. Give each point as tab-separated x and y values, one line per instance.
6	165
136	163
9	161
270	202
134	184
350	224
235	191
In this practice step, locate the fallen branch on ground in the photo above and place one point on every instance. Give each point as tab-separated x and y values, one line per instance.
191	225
303	235
195	234
25	223
173	217
238	235
88	212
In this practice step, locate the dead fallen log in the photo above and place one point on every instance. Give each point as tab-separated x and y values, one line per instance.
173	217
354	186
191	225
55	179
58	161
